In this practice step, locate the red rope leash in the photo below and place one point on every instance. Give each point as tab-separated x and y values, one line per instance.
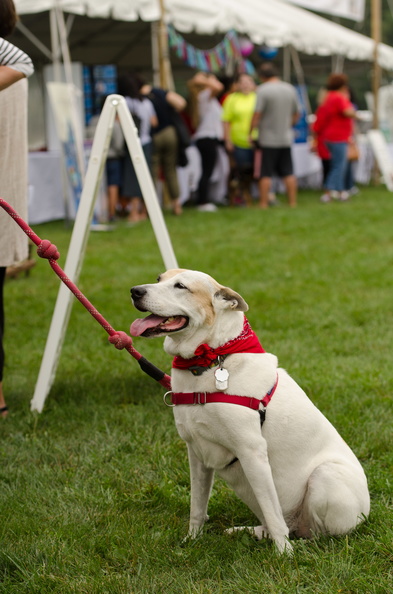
121	340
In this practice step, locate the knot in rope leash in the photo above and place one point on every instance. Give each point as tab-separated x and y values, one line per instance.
48	250
121	340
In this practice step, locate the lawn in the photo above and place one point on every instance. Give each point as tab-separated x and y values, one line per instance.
94	491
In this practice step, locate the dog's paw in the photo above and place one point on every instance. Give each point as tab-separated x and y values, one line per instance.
195	530
284	547
261	532
257	532
192	535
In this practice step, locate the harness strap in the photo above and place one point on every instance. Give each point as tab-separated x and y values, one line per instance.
206	398
179	398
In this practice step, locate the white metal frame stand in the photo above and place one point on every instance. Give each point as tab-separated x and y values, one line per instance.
114	104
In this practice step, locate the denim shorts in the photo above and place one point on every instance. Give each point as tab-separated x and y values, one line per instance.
244	158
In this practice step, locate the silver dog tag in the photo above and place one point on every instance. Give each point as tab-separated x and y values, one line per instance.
221	376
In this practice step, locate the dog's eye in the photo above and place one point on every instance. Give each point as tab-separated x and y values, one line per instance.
180	286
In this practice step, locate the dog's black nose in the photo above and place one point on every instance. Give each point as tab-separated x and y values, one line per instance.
138	292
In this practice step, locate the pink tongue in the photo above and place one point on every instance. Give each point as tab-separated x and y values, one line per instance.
140	325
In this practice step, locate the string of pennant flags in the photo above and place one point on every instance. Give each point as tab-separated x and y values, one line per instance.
229	50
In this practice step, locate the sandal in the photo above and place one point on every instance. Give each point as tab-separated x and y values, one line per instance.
3	409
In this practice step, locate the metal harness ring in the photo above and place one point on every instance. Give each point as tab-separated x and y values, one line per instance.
165	402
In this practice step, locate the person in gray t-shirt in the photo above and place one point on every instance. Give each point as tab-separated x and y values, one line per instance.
276	112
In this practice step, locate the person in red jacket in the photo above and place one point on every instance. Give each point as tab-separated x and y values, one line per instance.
318	144
334	126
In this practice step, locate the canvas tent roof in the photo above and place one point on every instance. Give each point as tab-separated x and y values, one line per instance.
273	22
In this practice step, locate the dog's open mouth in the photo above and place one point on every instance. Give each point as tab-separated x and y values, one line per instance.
154	325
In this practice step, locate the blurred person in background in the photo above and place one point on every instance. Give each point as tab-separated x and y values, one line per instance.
205	115
277	111
165	139
353	152
318	140
114	162
145	118
334	121
238	109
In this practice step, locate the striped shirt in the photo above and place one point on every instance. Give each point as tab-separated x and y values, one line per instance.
13	57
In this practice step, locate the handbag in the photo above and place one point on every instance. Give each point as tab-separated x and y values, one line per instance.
353	151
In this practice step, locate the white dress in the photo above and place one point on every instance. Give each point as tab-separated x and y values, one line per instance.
13	170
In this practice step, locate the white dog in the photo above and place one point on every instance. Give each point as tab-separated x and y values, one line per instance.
296	473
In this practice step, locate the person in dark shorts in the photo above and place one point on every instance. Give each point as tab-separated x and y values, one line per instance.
276	111
114	161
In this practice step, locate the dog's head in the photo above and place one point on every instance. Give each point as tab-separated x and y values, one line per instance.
187	306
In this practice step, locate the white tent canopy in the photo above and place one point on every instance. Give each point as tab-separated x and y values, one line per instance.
272	22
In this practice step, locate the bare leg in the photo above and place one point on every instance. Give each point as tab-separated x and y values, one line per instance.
177	207
113	200
264	185
3	406
291	187
142	210
134	215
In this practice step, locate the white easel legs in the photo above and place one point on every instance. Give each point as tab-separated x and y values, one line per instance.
113	104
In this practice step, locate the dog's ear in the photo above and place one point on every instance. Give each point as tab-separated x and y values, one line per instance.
229	299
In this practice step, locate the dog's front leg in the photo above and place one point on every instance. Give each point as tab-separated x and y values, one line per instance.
201	485
257	470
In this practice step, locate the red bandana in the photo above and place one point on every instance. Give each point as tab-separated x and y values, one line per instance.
246	342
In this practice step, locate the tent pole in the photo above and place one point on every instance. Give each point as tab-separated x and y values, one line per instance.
54	35
376	36
155	57
166	80
337	63
299	74
34	40
286	64
69	79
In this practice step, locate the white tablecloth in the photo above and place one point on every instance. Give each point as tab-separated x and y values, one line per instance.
45	198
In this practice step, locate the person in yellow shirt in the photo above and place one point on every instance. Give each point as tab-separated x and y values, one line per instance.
238	109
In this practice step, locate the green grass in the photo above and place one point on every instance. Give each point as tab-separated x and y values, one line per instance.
94	492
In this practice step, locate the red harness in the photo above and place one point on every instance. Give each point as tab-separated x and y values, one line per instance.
206	357
205	398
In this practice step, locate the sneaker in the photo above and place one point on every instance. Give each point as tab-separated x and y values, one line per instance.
208	207
335	195
344	196
353	191
325	198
